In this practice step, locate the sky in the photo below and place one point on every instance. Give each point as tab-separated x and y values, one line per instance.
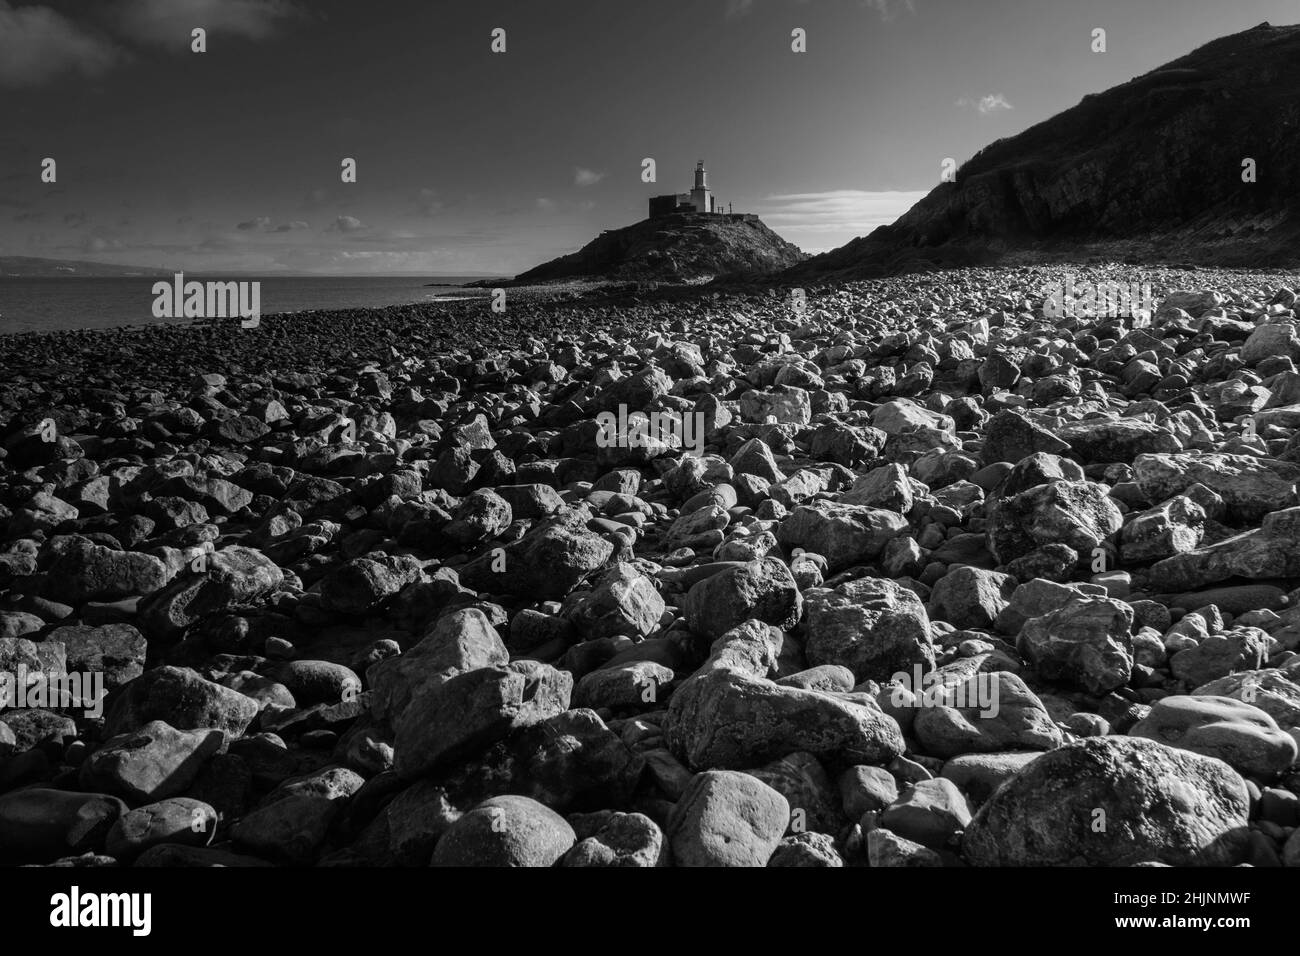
474	161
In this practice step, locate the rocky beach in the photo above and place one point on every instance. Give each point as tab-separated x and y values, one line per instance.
956	577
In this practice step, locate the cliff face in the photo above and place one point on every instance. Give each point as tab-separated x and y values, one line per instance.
677	248
1150	169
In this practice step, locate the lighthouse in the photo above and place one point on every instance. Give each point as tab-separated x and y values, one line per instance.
699	200
701	197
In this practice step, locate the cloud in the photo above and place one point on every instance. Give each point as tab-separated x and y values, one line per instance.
586	177
738	8
260	224
294	226
37	44
546	205
837	213
427	202
345	224
890	9
74	219
169	22
100	244
989	103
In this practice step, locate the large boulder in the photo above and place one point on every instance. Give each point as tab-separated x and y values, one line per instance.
985	713
546	564
460	717
762	590
969	597
729	715
727	819
1239	734
872	626
1088	643
844	534
152	763
183	699
231	577
1251	487
1114	801
1118	439
1079	514
624	603
507	831
80	570
461	641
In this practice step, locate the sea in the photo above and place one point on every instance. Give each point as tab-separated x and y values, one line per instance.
44	304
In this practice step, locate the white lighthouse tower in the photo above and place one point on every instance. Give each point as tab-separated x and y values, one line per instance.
701	197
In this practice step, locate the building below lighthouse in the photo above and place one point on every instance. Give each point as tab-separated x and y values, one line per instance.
699	200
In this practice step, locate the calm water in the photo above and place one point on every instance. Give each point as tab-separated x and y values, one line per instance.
45	304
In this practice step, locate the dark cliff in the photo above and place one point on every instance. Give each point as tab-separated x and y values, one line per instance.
1149	170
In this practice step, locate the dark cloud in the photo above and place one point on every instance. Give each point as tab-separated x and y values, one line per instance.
37	45
168	23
